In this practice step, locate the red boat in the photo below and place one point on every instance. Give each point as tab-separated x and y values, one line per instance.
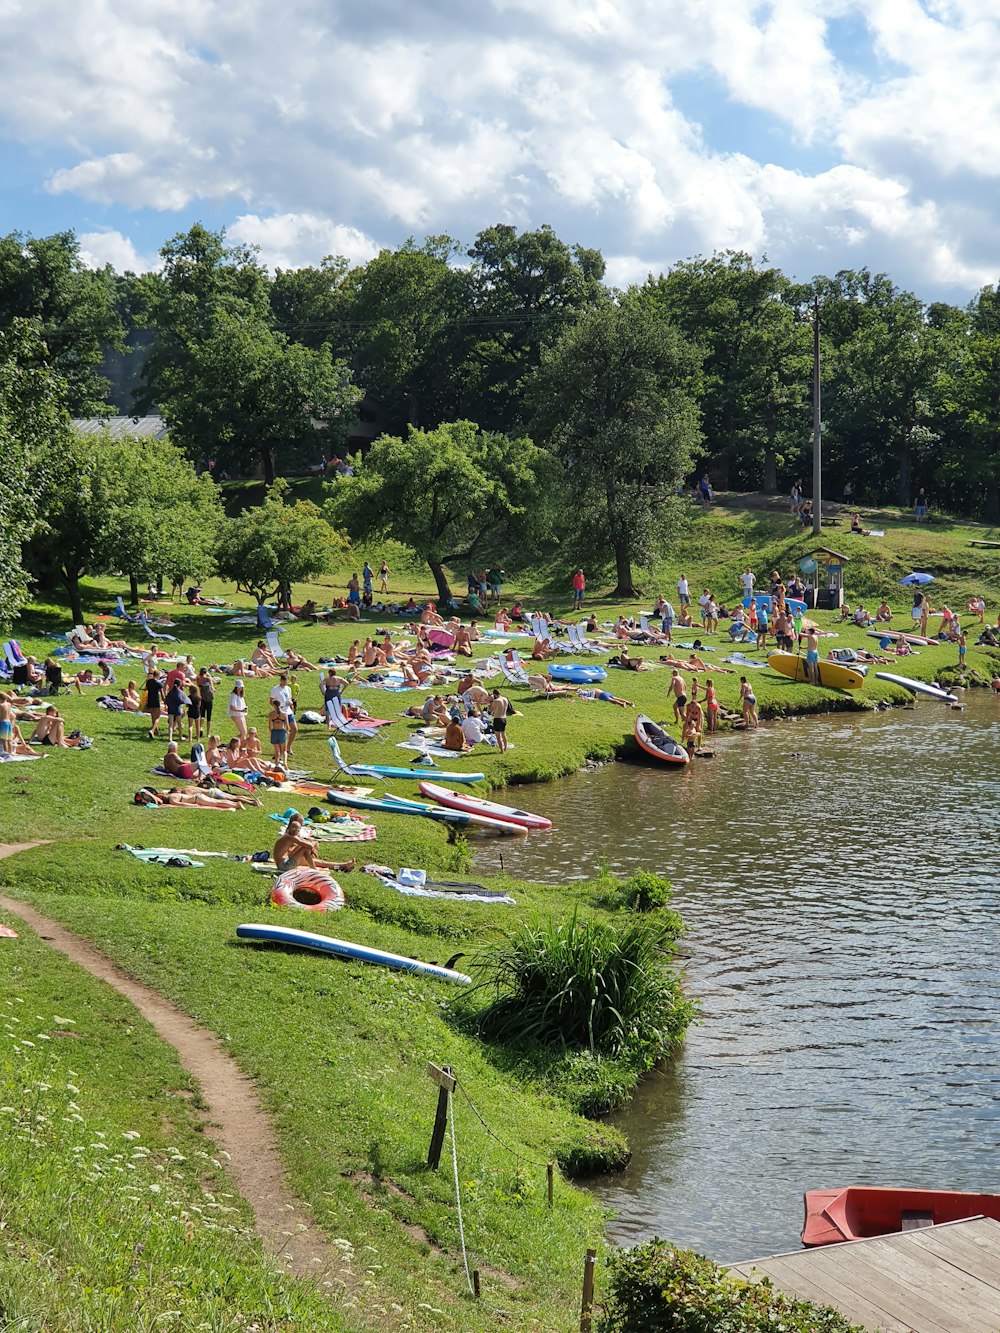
655	742
862	1211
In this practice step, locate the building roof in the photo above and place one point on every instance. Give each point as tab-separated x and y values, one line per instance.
835	555
119	426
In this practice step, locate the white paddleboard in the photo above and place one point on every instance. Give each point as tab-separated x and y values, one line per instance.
917	686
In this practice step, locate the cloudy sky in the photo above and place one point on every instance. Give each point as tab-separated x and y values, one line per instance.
823	133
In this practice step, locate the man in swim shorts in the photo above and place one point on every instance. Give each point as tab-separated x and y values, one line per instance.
812	657
679	692
295	850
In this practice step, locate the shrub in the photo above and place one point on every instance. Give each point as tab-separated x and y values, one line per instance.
585	984
645	891
657	1287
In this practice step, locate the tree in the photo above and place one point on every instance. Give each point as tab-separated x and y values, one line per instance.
250	396
44	278
406	309
614	400
525	288
108	503
277	544
33	420
454	494
757	361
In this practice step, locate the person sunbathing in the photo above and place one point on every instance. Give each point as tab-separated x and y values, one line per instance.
543	685
251	752
463	640
50	729
412	675
296	662
603	696
295	850
541	650
631	663
429	615
371	656
205	798
175	765
883	614
501	620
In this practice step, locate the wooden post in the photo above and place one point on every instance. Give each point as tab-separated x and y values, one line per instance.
446	1084
475	1283
587	1304
550	1174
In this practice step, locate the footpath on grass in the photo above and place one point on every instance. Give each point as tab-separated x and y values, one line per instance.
236	1117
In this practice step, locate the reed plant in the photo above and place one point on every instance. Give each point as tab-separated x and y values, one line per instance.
585	983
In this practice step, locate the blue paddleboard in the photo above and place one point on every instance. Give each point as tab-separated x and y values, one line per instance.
305	939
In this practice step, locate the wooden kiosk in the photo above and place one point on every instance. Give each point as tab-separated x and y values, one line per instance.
827	579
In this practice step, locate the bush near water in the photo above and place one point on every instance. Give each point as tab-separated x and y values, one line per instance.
339	1050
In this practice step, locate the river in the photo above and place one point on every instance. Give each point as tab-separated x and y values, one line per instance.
840	880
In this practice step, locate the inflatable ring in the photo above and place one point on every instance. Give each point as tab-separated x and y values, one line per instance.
577	673
312	889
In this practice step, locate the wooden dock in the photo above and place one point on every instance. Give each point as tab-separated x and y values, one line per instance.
943	1279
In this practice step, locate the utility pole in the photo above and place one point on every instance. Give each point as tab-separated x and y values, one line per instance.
817	429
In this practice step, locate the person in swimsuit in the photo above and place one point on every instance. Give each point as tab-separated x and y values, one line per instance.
711	706
295	850
499	708
679	692
748	702
276	720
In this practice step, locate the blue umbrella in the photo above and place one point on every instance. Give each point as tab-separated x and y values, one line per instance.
917	578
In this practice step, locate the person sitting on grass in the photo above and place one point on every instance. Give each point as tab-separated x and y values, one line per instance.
883	613
454	736
472	726
175	765
631	663
463	640
296	662
251	752
50	729
295	850
862	616
541	650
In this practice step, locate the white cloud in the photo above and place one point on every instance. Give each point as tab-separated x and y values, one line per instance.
649	128
98	248
297	240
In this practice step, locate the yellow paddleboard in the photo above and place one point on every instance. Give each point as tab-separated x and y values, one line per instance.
834	675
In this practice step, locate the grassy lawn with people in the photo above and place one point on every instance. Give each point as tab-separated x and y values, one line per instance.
338	1050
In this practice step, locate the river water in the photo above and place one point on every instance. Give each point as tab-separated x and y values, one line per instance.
840	879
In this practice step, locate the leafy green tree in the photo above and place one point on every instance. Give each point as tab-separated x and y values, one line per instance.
276	544
615	400
231	386
252	397
406	309
967	396
454	495
108	503
44	278
525	289
882	363
33	420
757	367
308	305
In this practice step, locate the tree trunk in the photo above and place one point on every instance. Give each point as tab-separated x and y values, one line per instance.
133	590
267	465
904	478
623	568
444	592
770	486
71	582
991	509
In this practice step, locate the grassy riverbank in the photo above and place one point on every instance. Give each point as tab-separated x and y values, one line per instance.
339	1051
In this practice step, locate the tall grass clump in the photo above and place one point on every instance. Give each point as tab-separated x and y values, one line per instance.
586	984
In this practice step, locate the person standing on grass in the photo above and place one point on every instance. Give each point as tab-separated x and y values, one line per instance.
238	710
920	506
206	688
762	626
683	594
281	697
579	586
383	577
279	734
812	656
499	708
154	701
194	718
963	643
679	690
747	580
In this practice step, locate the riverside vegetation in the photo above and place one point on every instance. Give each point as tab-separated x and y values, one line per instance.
339	1050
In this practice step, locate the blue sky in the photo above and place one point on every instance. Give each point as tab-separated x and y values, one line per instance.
826	134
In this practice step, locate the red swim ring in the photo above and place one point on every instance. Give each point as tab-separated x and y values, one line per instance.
312	889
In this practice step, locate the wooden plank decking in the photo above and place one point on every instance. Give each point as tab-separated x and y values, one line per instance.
943	1279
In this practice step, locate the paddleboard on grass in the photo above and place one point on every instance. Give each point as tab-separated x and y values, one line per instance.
459	800
900	634
306	939
832	675
917	686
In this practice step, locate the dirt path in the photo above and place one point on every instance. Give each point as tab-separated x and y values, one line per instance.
236	1118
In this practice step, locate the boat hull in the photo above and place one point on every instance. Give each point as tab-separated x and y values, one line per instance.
862	1211
655	742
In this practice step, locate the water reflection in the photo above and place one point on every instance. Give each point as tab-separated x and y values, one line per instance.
839	881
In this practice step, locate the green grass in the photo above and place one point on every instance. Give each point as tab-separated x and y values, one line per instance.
115	1212
340	1051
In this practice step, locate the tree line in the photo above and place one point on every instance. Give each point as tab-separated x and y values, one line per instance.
522	399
